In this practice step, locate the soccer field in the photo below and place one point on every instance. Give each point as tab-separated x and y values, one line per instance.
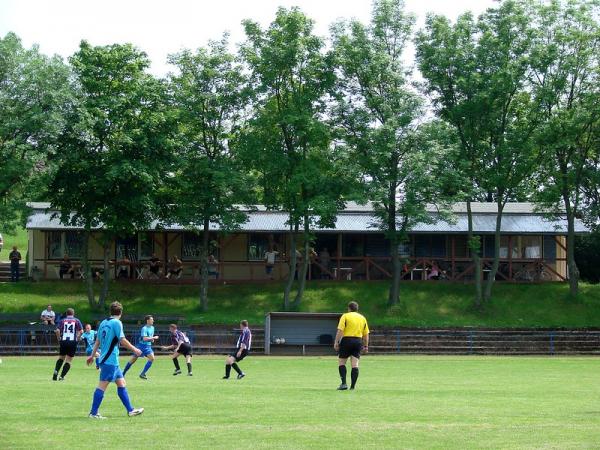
400	402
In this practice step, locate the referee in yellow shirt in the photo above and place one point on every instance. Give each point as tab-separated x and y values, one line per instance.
352	337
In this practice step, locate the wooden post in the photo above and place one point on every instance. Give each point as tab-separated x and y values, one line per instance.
339	254
510	252
165	253
453	256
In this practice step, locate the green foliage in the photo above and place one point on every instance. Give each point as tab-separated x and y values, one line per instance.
565	81
287	141
33	93
377	116
426	304
114	149
208	183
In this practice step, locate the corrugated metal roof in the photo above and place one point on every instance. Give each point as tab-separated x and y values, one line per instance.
361	222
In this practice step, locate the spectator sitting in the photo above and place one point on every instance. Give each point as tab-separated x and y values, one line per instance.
154	269
213	267
175	267
124	267
48	316
66	268
434	273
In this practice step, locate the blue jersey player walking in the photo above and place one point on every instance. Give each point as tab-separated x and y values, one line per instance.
89	337
145	346
110	335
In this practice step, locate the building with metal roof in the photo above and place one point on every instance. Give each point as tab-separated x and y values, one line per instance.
533	245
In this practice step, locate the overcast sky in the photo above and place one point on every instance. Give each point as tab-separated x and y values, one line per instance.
163	27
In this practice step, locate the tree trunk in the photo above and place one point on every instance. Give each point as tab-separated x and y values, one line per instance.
571	264
292	267
473	241
305	262
394	294
87	270
492	274
204	267
106	244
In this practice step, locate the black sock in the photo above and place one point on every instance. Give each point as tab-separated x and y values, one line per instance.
189	367
354	376
227	370
176	364
342	370
58	365
236	368
66	368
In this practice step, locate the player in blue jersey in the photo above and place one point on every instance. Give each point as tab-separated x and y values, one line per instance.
110	335
89	337
244	342
68	330
145	346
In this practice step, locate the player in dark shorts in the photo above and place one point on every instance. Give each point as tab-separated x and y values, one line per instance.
181	346
351	339
244	342
68	331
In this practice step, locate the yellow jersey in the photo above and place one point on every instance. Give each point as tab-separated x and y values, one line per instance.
353	324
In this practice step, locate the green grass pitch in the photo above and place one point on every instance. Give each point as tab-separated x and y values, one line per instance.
429	402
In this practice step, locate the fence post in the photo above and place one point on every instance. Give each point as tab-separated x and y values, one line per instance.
470	342
552	342
397	341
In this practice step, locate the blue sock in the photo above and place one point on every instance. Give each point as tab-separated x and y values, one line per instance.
98	396
124	396
146	367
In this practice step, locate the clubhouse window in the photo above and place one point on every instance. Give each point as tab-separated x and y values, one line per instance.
260	243
65	242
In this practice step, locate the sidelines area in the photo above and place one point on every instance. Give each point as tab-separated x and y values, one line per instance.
40	340
424	402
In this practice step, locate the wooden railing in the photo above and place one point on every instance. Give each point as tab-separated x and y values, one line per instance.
352	268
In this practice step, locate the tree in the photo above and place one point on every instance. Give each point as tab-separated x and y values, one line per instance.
287	137
378	116
114	151
565	81
477	72
33	92
208	184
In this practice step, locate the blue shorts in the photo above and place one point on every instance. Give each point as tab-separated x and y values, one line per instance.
146	350
110	373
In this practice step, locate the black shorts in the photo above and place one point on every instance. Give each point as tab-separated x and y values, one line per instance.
185	349
234	355
350	346
68	348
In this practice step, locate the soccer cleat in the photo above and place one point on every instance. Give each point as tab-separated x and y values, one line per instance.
241	375
61	379
225	377
95	416
189	374
177	372
143	376
135	412
342	387
55	376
